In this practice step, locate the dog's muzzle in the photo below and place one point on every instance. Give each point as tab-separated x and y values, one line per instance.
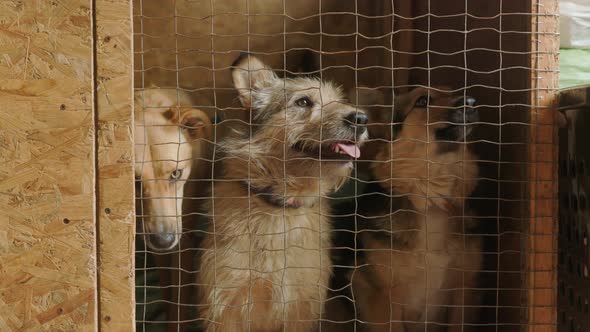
465	111
461	118
162	242
357	120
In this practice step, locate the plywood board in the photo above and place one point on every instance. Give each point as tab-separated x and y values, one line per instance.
115	186
47	230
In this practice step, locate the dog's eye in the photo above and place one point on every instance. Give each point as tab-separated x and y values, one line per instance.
303	102
423	101
176	174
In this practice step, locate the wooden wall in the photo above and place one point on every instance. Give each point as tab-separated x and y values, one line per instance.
65	108
47	218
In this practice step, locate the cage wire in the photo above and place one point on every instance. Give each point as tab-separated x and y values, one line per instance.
430	229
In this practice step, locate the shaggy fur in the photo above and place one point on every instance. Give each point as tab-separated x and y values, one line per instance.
418	263
265	263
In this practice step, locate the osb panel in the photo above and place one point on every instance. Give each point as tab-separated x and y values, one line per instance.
47	233
542	239
115	186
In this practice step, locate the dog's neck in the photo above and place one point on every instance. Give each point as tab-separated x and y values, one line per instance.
445	191
423	203
411	195
280	179
270	196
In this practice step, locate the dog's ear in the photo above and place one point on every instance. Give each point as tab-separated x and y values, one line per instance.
196	124
404	101
250	75
378	107
366	97
372	100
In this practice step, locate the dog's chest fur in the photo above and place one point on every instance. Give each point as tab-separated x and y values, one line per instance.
283	248
409	251
272	237
410	242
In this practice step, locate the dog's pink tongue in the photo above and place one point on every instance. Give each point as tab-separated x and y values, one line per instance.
350	149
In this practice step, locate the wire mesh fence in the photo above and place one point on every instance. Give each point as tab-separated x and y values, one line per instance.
344	165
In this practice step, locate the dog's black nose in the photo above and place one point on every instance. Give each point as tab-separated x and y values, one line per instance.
357	119
466	101
162	241
465	111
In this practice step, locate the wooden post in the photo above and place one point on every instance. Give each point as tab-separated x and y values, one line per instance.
542	239
115	172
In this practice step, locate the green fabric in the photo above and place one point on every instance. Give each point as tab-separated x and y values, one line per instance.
574	67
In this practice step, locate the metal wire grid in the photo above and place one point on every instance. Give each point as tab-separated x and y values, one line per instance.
500	204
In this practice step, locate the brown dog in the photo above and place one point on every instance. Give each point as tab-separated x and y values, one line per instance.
265	265
418	264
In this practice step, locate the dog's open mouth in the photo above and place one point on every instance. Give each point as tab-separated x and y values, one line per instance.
341	150
351	150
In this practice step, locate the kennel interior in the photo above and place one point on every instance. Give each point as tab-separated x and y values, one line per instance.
70	69
503	53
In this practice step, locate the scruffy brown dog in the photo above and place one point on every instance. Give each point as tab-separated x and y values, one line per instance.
418	263
265	265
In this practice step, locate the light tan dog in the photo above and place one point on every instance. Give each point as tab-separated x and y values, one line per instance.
418	262
170	144
171	148
265	265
